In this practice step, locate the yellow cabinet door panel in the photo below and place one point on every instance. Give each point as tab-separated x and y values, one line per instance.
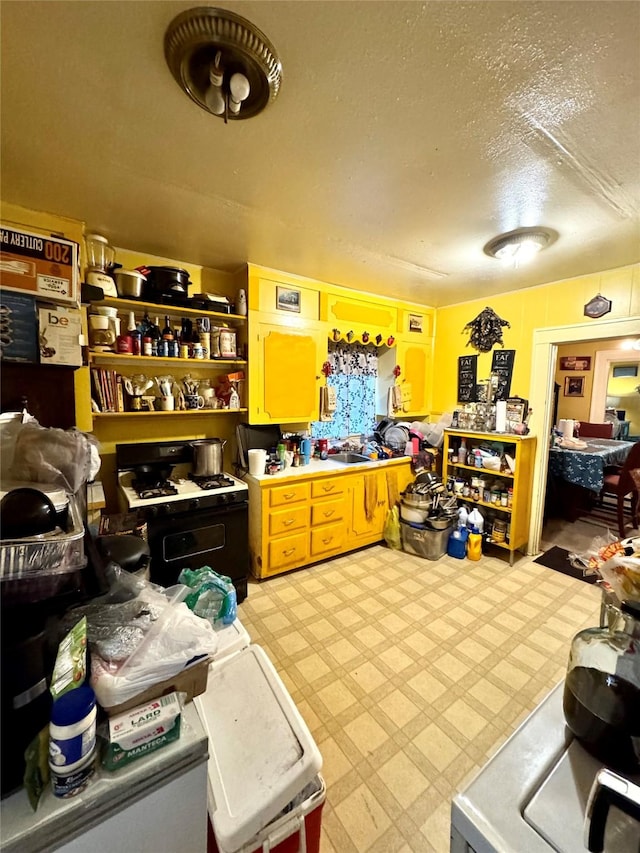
287	551
291	518
415	364
326	539
323	512
369	504
291	362
289	494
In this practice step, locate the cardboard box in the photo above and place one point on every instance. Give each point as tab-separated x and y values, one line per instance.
192	681
59	333
142	730
18	328
39	264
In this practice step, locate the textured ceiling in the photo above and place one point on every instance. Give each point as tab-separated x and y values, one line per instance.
405	135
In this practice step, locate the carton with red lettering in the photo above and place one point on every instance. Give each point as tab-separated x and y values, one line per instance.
142	730
41	265
59	331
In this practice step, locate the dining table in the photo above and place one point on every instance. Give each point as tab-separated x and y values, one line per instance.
584	467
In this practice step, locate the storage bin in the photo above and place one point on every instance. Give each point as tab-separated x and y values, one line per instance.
295	830
424	542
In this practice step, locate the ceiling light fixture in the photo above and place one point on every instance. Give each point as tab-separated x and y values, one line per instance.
519	246
223	62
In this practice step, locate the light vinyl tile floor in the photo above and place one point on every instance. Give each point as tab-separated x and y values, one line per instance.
410	673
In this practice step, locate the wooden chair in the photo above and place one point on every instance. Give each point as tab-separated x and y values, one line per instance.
588	430
624	484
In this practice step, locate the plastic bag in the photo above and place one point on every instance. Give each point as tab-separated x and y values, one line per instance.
213	596
66	458
392	529
139	638
616	562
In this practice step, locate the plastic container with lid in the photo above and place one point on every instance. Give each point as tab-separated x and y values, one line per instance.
261	753
474	544
72	740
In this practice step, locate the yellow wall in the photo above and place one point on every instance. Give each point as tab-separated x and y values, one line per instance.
558	304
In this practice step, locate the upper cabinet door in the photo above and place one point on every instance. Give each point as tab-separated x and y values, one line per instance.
414	361
286	380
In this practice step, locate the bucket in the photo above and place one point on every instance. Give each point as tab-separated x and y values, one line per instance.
257	462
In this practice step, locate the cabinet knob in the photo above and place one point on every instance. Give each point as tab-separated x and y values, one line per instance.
326	541
329	513
289	495
289	552
287	522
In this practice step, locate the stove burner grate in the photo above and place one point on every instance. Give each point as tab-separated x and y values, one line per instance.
147	491
215	481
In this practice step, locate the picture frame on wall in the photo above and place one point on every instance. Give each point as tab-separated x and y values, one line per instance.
287	299
415	322
575	362
574	386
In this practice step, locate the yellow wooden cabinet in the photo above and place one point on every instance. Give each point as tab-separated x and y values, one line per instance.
285	373
307	518
514	509
414	361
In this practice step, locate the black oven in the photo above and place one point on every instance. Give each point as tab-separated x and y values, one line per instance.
215	537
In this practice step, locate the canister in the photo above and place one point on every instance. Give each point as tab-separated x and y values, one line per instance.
72	739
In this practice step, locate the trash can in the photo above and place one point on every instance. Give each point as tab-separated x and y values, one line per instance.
423	541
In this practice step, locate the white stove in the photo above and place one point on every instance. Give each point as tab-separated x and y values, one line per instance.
190	523
220	491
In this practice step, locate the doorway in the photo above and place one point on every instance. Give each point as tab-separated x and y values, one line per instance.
545	352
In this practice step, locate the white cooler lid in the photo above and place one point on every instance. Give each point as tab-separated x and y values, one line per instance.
261	753
231	638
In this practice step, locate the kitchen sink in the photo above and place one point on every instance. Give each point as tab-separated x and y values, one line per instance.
349	458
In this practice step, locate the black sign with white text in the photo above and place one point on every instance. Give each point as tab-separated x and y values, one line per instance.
467	375
502	365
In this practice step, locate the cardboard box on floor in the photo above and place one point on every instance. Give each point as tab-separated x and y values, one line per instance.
192	681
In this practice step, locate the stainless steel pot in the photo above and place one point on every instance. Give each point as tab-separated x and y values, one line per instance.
207	457
129	283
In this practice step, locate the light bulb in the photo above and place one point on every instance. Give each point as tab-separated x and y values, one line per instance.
239	88
214	99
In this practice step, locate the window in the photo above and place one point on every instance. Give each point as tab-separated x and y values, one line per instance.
354	376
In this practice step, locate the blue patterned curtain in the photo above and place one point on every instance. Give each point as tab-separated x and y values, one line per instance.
354	376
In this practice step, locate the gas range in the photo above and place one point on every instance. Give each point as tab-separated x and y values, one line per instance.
186	493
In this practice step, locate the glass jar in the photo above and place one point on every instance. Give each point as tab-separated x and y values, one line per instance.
602	689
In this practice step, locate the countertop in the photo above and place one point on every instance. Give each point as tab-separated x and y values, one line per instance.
58	820
318	467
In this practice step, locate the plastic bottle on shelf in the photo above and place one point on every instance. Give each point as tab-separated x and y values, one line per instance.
135	334
462	452
474	544
476	520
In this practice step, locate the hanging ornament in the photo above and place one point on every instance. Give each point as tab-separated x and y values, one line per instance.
486	330
397	370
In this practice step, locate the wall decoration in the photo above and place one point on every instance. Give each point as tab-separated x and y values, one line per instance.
575	362
485	330
287	300
415	322
467	376
597	307
502	365
574	386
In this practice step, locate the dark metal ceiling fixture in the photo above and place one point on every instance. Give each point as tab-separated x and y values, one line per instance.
223	62
520	245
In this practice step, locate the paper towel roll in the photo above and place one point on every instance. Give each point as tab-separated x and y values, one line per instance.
501	415
566	426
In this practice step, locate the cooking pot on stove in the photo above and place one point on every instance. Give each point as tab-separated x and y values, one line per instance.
207	457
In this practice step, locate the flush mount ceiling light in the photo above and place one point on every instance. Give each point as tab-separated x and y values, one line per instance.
519	246
224	63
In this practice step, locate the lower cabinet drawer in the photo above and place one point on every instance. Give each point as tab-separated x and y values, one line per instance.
289	494
328	538
287	551
324	512
288	519
322	488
